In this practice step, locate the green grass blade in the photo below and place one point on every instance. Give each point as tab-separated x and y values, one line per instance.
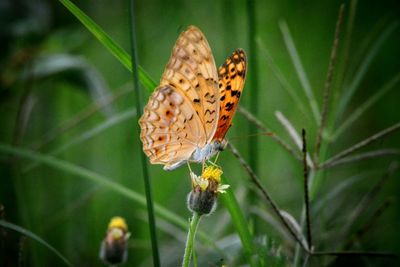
366	105
301	73
362	70
343	68
81	172
139	110
34	237
253	84
281	78
229	201
109	43
112	121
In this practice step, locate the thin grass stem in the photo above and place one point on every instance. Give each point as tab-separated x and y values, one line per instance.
360	73
253	83
138	97
347	43
116	50
35	237
301	73
306	196
293	134
365	202
246	114
282	79
238	219
80	117
254	178
362	156
361	144
369	223
107	182
366	105
87	135
194	223
378	254
328	84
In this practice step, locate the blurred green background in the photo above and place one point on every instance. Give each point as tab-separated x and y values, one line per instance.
52	71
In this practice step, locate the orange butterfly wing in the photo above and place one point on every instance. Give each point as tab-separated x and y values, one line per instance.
182	112
232	75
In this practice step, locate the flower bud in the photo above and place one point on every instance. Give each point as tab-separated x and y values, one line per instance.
114	247
205	188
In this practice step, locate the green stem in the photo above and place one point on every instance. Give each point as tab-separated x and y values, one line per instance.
253	85
194	222
146	177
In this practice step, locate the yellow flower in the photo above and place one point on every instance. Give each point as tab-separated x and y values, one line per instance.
202	199
212	173
118	222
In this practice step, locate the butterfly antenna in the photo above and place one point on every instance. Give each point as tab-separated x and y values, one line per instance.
188	164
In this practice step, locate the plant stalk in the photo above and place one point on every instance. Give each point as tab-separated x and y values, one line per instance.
194	223
146	177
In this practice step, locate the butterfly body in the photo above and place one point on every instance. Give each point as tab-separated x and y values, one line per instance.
189	113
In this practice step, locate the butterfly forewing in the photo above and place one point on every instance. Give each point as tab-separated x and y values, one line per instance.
232	75
192	71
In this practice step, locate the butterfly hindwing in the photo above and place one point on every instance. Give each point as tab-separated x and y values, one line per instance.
232	75
170	129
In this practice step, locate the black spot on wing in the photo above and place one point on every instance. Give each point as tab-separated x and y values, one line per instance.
224	117
229	106
235	93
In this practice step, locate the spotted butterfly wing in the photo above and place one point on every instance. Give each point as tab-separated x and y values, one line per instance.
232	75
181	115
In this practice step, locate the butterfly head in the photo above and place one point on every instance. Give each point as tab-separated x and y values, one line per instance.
219	145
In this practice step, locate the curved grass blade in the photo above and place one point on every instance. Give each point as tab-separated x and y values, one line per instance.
34	237
366	105
361	144
363	156
229	201
112	121
293	134
364	65
253	83
282	78
101	180
301	73
109	43
343	66
139	110
80	117
50	65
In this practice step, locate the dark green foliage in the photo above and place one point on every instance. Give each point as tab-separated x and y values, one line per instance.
68	109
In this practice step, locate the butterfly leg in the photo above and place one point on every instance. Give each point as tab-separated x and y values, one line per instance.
216	158
214	164
203	166
190	169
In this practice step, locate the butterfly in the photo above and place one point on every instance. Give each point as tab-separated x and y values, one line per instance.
190	112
